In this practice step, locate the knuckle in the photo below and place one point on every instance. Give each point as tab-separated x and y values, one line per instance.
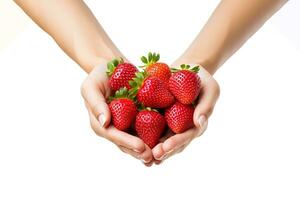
138	145
209	110
96	107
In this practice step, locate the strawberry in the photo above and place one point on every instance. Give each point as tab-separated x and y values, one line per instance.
155	68
123	109
149	125
151	91
179	117
185	84
120	73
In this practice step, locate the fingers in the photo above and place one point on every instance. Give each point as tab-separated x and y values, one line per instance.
172	144
175	144
124	139
129	144
116	136
93	94
145	157
168	134
208	97
179	150
178	140
158	152
95	91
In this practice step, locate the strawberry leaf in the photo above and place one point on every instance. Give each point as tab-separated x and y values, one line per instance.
150	57
173	70
115	62
157	58
121	93
144	60
194	69
137	82
111	66
133	91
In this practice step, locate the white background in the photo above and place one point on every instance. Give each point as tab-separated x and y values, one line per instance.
250	150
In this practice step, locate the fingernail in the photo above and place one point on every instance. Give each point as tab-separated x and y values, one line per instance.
163	156
201	121
101	119
170	151
144	161
136	151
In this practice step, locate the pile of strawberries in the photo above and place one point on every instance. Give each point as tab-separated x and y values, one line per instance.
149	100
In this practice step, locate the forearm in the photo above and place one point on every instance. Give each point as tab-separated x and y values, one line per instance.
74	28
229	27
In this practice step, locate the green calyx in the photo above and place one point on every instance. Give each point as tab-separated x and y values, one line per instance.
137	82
121	93
151	59
111	66
186	67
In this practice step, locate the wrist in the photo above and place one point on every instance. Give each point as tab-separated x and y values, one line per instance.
208	63
96	60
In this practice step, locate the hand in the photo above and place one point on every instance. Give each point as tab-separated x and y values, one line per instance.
95	91
175	143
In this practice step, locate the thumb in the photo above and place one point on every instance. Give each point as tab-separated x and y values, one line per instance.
96	102
208	97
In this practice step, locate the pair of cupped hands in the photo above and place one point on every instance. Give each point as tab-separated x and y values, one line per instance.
95	91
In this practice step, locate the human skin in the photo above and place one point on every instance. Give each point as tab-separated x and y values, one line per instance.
228	28
77	32
74	28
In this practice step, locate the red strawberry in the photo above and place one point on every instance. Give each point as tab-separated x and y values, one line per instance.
149	126
185	84
120	73
123	110
151	91
179	117
155	68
